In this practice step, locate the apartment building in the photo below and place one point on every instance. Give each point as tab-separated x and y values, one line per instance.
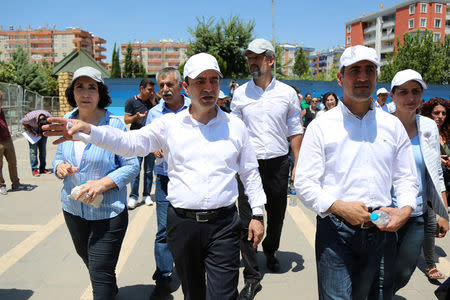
380	30
50	44
323	60
290	51
158	55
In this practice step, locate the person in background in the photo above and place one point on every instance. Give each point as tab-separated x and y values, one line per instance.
233	85
7	151
407	87
32	123
170	87
344	172
309	113
223	102
97	233
270	111
437	109
329	101
382	96
136	109
306	101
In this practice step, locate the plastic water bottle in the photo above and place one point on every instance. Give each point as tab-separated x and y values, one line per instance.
292	189
379	217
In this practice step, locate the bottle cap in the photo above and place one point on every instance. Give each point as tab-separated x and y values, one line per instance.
374	216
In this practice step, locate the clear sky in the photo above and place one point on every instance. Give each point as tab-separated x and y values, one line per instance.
313	23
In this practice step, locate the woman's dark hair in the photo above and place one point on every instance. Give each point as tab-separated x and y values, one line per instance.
428	107
103	93
325	97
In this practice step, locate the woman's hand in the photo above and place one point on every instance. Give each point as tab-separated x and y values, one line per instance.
58	127
442	227
445	162
93	188
65	169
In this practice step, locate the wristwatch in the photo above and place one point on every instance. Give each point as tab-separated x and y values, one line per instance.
258	217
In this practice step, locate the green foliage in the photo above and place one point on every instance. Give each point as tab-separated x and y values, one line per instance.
224	39
128	63
50	84
138	69
301	65
280	64
419	53
7	72
115	63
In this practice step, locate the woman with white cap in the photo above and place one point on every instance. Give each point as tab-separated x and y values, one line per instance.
97	230
406	91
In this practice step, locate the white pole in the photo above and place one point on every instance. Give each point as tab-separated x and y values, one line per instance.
273	41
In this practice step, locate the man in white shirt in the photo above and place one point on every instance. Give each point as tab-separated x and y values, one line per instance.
382	96
350	159
204	148
270	110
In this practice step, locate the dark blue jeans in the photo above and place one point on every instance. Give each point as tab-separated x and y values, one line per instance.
41	147
149	164
163	257
348	260
98	243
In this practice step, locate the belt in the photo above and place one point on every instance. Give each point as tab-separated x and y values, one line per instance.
364	226
203	215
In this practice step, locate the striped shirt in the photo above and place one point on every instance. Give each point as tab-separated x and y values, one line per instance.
96	163
31	118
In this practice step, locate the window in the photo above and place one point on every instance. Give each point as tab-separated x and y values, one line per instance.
349	29
64	54
423	7
438	8
410	23
437	23
423	22
411	9
436	37
349	39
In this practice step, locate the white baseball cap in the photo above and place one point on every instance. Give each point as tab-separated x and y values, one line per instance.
222	95
88	72
382	91
358	53
199	63
407	75
259	46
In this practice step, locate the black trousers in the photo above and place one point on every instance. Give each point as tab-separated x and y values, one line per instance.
98	243
274	175
211	247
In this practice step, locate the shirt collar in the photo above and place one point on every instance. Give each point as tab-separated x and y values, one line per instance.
186	104
348	113
269	87
187	117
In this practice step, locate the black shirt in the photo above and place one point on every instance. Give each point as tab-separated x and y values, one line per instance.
135	105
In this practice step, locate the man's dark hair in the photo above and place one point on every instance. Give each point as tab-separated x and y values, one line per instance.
145	82
306	95
103	92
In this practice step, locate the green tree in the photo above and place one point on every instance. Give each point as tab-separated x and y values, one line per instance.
301	65
28	75
50	86
115	63
128	63
7	72
225	40
420	53
280	63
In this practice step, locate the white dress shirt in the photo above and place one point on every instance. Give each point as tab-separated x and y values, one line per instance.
271	115
347	158
202	158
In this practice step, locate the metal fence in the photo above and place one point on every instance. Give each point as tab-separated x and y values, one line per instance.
17	102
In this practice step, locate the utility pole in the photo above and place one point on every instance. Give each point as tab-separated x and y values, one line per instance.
273	41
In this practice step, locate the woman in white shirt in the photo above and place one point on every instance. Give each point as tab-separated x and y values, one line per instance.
329	100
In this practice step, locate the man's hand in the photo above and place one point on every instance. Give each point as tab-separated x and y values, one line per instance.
58	127
399	216
65	169
442	227
141	115
445	162
354	212
255	232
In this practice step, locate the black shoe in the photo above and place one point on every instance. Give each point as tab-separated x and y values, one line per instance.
249	291
162	290
272	262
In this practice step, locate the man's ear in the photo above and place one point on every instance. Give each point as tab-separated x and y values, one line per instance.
185	87
340	78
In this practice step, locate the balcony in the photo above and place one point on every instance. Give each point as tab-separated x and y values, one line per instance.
388	49
369	41
99	56
99	48
369	29
41	50
12	42
42	41
388	37
387	24
447	30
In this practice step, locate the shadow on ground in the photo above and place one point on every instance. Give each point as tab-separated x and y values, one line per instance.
24	188
15	294
144	291
289	261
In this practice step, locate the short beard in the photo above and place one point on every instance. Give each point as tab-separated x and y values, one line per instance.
258	73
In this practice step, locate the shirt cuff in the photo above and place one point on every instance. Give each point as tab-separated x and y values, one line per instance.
407	200
324	205
258	210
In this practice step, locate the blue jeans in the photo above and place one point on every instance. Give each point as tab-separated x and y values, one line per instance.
348	259
149	163
40	146
163	257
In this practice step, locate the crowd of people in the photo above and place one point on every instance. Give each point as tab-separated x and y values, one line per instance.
222	174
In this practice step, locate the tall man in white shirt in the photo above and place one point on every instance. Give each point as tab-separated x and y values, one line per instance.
204	148
270	110
350	159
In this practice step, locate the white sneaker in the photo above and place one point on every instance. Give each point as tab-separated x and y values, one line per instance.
3	190
148	200
132	203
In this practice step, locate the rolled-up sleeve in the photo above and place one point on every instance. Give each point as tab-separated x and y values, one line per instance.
294	122
310	171
127	171
58	159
